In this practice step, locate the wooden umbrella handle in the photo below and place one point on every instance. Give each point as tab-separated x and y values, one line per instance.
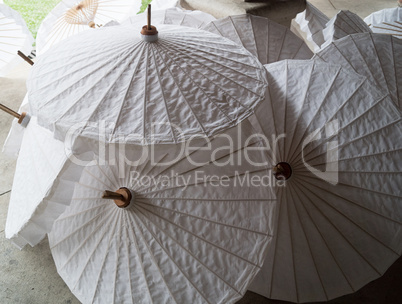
122	197
26	58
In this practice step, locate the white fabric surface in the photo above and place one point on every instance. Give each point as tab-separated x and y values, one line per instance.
374	56
12	144
264	38
164	4
330	240
15	36
180	240
386	21
312	21
188	83
344	23
57	25
40	160
175	16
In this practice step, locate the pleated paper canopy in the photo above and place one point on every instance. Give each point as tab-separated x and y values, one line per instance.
70	17
375	56
41	158
344	23
386	21
15	36
339	143
188	83
265	39
176	16
195	231
311	22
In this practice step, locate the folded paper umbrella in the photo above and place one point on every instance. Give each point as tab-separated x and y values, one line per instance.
372	55
386	21
162	86
70	17
344	23
338	145
15	36
265	39
311	22
188	231
176	16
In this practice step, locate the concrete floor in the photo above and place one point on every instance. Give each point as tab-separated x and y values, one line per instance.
29	276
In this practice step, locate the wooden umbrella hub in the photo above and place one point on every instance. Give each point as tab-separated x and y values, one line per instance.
282	171
121	197
149	32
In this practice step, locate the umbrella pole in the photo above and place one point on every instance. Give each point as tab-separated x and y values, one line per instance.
149	17
26	58
23	118
282	171
122	197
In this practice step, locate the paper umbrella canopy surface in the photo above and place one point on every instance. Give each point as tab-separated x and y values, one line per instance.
374	56
187	83
183	238
386	21
265	39
338	150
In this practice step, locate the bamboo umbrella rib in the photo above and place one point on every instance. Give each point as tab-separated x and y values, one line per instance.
193	80
348	218
300	191
143	202
188	251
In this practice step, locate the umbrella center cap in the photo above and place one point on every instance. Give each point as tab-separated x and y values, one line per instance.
125	201
149	34
282	171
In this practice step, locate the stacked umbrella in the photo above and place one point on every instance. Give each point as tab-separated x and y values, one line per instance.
129	219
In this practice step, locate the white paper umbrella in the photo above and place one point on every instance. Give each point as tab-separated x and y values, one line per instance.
339	222
372	55
264	38
15	36
386	21
176	16
184	237
312	21
187	83
70	17
40	161
344	23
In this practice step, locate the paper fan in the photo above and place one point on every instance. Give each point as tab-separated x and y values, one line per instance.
372	55
264	38
338	145
70	17
187	83
183	238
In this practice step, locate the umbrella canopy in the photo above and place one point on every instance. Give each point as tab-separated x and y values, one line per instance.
70	17
312	21
265	39
185	236
41	158
176	16
344	23
187	83
338	150
371	55
164	4
386	21
15	36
